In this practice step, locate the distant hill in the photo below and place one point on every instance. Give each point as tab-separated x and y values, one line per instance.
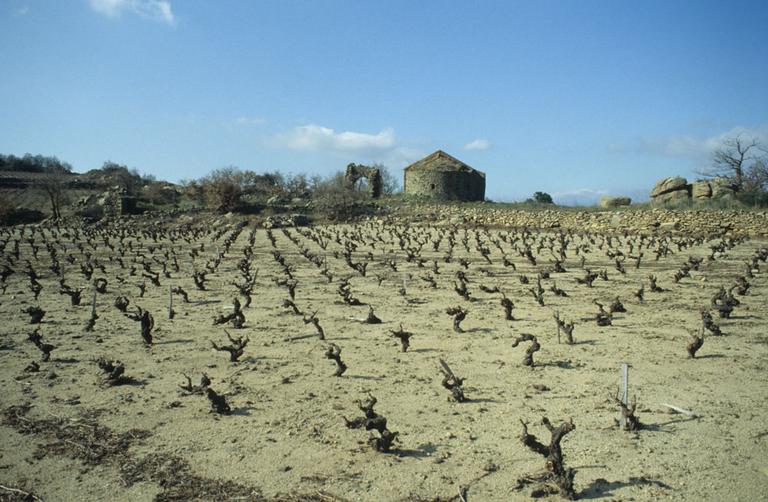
21	188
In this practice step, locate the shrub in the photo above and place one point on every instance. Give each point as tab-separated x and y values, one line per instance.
337	201
159	195
542	198
222	190
754	198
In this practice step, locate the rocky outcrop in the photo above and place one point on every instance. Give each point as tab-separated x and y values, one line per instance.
721	187
608	202
669	185
671	190
677	190
701	190
675	197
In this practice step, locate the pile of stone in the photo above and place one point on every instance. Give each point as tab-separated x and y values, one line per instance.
292	220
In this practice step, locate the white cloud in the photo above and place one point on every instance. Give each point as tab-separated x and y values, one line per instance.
478	144
689	146
581	192
317	138
579	196
158	10
21	11
403	156
381	147
250	121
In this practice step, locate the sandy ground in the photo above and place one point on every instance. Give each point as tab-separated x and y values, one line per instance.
286	433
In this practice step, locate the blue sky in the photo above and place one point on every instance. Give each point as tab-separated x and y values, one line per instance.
575	98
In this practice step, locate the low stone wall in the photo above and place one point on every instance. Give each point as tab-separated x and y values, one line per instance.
649	222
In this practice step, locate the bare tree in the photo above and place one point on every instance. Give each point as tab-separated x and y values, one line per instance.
223	189
733	159
756	177
52	182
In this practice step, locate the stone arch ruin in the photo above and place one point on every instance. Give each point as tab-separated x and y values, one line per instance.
357	171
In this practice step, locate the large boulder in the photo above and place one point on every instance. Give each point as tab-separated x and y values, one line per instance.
610	202
701	190
675	197
668	185
721	187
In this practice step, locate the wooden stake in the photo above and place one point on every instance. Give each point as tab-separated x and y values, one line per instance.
447	368
93	305
624	390
170	302
557	321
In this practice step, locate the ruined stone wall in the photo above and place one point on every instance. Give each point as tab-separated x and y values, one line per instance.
447	185
113	203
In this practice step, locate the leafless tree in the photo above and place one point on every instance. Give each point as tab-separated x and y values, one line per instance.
735	157
222	189
52	182
756	176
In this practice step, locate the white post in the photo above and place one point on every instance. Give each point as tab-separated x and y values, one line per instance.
624	390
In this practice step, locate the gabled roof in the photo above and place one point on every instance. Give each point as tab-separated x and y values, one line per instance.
441	161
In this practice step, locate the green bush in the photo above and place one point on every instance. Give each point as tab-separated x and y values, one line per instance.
541	198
